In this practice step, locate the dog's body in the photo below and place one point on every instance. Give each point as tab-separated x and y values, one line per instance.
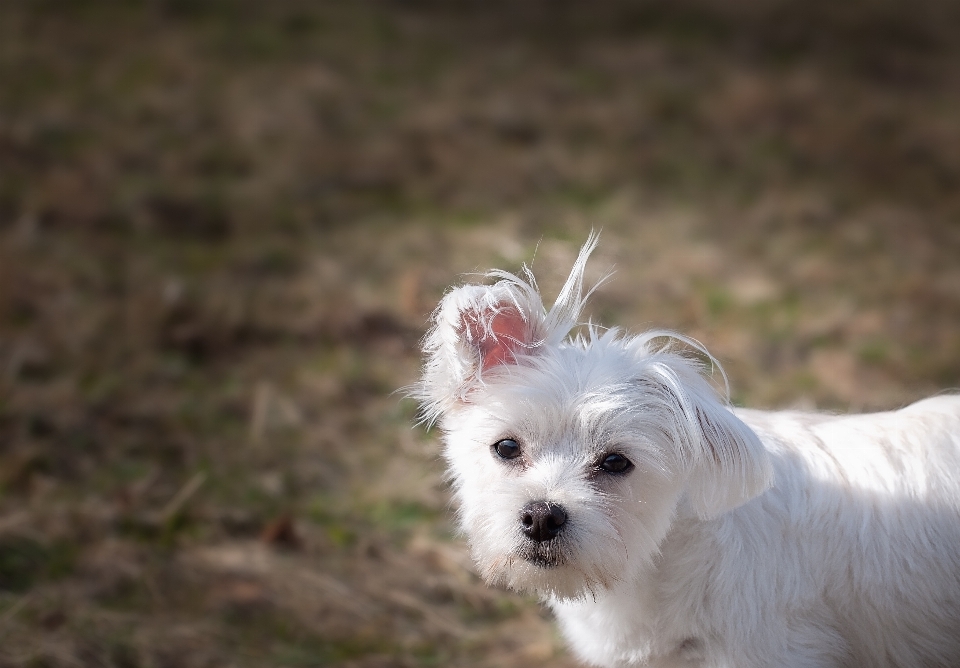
664	529
852	558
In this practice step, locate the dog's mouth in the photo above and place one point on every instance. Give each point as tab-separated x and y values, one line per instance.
544	555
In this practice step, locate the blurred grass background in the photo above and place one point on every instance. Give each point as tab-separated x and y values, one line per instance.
224	223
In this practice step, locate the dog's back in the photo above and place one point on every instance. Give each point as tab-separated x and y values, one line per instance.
869	513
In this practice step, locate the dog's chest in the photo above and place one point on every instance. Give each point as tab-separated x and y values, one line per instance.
631	625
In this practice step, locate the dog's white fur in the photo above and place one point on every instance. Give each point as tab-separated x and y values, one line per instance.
739	538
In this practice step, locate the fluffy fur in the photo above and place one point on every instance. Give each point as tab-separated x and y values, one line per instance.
736	539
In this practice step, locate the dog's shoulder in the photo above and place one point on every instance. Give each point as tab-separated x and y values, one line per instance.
940	412
946	406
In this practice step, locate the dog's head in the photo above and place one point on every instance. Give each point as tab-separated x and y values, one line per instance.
569	456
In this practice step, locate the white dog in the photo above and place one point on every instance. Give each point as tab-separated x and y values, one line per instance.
603	473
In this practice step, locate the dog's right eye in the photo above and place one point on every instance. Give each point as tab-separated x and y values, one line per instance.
615	463
507	449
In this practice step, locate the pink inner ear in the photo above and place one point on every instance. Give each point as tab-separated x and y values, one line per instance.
508	333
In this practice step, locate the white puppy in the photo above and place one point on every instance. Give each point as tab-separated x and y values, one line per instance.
603	473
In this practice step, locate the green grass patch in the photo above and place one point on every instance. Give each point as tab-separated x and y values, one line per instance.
718	301
874	352
24	562
401	515
340	529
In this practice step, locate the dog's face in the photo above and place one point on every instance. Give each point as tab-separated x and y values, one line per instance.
569	457
561	486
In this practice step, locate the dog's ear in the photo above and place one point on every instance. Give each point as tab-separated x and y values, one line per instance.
480	330
733	465
725	461
477	330
495	335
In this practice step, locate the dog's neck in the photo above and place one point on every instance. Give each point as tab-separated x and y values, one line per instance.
649	606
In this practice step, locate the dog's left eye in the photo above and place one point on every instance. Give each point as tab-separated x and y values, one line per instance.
507	448
615	463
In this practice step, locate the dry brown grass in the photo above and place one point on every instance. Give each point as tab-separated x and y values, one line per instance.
223	225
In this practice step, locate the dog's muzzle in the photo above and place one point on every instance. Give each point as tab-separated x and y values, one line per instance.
542	521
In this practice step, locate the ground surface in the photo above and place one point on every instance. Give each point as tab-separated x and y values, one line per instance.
223	226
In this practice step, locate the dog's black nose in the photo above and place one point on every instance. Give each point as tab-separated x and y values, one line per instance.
542	521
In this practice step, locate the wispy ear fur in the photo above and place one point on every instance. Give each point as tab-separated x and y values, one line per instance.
477	328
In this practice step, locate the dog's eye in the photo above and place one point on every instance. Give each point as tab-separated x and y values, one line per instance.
615	463
507	448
